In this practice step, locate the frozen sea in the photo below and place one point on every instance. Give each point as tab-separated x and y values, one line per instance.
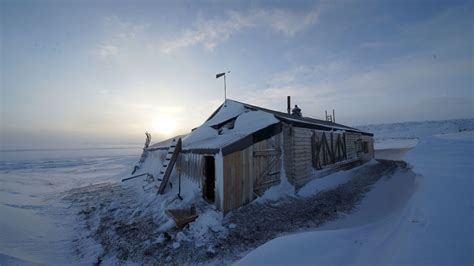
36	226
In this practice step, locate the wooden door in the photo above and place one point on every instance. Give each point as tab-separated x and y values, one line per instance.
266	164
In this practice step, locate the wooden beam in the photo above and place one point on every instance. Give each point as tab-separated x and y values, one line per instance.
323	148
316	144
333	157
345	147
269	152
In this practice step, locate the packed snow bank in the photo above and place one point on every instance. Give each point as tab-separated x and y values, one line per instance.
148	202
405	143
329	182
433	227
393	141
21	229
280	191
390	195
391	154
211	220
9	260
464	135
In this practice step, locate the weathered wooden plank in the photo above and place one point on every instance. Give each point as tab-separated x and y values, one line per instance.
182	216
267	152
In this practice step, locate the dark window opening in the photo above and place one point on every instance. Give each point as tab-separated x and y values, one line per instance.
227	124
365	147
362	146
208	191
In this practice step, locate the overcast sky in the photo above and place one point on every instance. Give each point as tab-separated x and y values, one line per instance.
105	71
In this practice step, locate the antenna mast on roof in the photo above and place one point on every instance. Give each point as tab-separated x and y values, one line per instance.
225	90
331	118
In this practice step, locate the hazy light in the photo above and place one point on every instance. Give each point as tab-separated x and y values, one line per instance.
164	125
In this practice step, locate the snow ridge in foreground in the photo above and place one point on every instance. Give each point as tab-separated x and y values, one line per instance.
433	227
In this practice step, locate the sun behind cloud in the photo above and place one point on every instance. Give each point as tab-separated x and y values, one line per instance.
164	125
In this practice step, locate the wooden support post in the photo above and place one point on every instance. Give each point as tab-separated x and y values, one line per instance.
333	159
179	187
345	147
324	148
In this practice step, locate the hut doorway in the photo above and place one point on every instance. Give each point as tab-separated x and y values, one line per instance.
208	189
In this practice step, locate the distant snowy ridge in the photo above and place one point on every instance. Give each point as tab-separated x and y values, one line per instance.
418	129
408	134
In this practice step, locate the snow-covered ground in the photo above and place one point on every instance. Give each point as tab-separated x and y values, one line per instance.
36	226
422	218
427	219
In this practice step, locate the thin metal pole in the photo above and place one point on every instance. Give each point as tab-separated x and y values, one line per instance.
225	90
288	104
179	187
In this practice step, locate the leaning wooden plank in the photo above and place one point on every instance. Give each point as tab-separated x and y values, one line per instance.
169	168
182	216
135	176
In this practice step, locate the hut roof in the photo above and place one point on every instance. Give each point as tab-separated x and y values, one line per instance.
236	125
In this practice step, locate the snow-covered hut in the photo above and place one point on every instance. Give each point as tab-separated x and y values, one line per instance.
241	150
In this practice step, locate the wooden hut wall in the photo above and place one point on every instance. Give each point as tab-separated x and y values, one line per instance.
191	165
368	154
249	172
306	150
359	146
351	142
297	153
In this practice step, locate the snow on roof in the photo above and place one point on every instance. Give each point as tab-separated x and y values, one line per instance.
231	122
165	143
234	120
306	121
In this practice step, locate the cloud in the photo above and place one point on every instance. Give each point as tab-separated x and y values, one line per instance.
288	23
401	89
317	72
371	45
211	32
124	30
409	85
118	35
107	50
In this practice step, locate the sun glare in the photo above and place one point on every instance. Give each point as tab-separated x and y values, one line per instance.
164	125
